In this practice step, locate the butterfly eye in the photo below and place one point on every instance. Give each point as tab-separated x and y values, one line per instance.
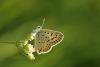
38	27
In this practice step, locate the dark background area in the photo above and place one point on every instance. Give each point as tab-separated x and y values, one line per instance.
78	20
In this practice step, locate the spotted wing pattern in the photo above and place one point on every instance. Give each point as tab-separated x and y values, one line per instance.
46	39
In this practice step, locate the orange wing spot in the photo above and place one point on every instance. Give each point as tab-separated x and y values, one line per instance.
39	49
48	46
45	49
56	40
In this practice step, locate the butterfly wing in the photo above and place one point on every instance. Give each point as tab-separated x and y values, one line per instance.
46	39
55	36
42	42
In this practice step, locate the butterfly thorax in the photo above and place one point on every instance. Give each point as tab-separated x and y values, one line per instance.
35	31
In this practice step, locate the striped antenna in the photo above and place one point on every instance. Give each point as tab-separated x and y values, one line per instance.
43	22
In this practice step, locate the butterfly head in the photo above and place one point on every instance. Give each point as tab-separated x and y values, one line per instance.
35	31
38	28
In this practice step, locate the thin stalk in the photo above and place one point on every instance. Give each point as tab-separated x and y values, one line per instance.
9	42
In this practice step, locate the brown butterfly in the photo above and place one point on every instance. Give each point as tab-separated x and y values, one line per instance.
44	40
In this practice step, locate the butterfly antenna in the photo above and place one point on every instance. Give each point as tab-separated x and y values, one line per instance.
43	21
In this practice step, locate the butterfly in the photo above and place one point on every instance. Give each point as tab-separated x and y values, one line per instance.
45	39
41	41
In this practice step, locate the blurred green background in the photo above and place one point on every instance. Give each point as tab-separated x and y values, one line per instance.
79	20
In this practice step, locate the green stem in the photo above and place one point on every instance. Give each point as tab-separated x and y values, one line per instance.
9	42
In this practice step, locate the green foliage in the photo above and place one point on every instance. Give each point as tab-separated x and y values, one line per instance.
79	20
